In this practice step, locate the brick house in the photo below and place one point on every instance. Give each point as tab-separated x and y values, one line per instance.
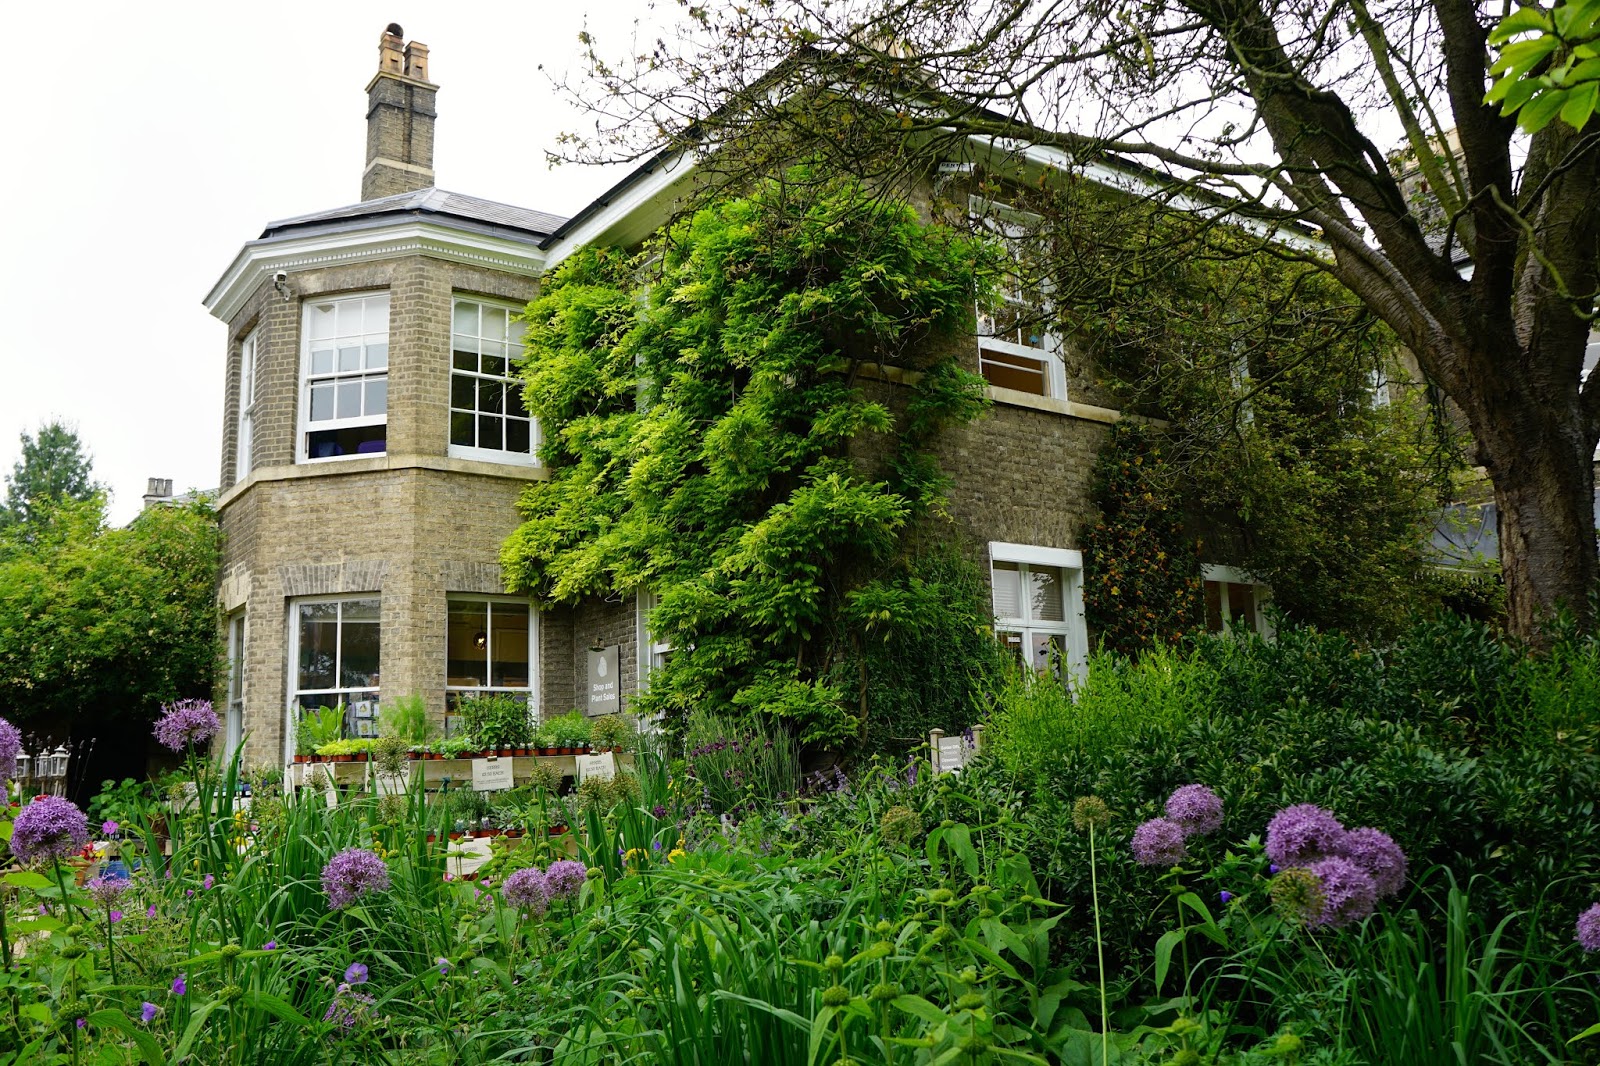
375	444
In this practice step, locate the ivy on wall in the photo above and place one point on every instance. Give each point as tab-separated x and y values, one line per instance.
710	438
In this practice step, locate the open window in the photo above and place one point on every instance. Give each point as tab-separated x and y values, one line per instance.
1015	349
344	400
1038	606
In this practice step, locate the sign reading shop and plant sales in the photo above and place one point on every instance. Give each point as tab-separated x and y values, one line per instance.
604	683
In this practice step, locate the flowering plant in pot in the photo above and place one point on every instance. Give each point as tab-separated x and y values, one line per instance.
609	732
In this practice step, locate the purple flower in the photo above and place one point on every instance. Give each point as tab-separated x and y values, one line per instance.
271	945
188	893
82	1024
1588	936
351	874
116	916
179	985
1224	896
10	745
355	974
150	911
1348	894
109	828
106	890
1196	808
187	723
1377	854
1272	868
349	1008
1302	834
208	882
658	811
527	890
147	1013
443	964
1159	842
564	878
48	828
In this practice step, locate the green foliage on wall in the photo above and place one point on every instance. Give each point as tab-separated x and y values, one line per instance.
1141	583
711	438
103	624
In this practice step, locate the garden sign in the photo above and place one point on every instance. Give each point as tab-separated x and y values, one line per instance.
604	687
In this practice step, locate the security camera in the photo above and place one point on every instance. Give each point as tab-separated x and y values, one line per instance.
280	277
280	282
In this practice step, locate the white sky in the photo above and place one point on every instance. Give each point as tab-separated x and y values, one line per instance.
144	144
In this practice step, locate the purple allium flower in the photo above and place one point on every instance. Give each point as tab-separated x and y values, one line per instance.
10	745
116	916
106	890
147	1013
1196	808
564	878
1159	842
1376	853
1588	936
1348	893
355	974
527	890
351	874
109	828
1302	834
658	811
349	1008
179	985
187	723
188	893
48	828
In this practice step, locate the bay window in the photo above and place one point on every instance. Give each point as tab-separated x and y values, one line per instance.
247	405
344	399
487	418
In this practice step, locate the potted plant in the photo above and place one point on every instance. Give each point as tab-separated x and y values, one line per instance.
318	728
499	720
608	733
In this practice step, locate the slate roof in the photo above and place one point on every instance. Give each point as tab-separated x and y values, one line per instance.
424	202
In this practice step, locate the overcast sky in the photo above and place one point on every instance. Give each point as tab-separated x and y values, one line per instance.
148	142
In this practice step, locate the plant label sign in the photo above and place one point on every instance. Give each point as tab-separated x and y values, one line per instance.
491	774
603	766
952	754
604	682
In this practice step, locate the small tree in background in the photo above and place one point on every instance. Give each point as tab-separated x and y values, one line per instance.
53	468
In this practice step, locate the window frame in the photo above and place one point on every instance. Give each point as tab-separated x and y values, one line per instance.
233	711
1223	576
292	688
991	216
531	689
491	455
1073	626
249	352
304	426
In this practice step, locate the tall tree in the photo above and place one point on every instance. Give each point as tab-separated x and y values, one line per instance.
53	468
1364	122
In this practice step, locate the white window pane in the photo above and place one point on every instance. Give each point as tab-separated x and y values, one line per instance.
349	400
377	316
321	403
377	396
465	320
1048	650
322	321
361	610
1045	594
322	362
348	318
349	359
494	323
1007	591
377	356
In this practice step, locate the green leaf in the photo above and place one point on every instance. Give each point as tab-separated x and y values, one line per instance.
1579	106
819	1033
1521	20
27	879
1541	109
275	1006
193	1030
918	1007
1169	940
149	1050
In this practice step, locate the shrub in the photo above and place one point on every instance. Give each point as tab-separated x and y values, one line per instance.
739	762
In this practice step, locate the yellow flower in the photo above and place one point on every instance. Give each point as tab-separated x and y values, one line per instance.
634	855
675	854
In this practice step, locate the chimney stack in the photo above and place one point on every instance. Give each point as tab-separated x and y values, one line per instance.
400	117
157	490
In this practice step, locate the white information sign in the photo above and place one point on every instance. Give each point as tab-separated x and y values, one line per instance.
491	775
603	766
952	754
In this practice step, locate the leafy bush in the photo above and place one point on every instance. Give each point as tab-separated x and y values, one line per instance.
497	719
737	763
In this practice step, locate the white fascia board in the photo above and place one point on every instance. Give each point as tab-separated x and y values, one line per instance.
636	213
1213	572
257	261
1046	156
1003	552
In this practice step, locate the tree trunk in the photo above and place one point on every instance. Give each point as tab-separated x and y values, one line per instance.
1540	459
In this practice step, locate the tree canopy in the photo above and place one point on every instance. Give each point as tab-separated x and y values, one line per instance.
1351	136
53	468
712	438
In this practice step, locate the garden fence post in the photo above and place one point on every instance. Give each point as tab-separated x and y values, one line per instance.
933	749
